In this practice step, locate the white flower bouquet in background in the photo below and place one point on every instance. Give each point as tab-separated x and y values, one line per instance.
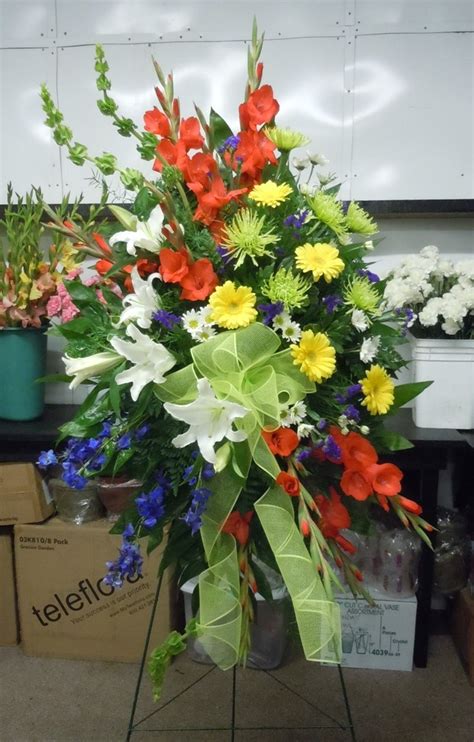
436	294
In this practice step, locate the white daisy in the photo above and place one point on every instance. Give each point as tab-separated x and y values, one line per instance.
291	331
193	322
369	349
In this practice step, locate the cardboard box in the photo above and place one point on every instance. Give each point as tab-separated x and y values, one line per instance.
8	612
462	628
379	637
24	496
65	608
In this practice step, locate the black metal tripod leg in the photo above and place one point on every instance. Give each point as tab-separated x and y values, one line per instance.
143	660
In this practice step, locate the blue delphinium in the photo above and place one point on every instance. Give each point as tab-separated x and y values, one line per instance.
124	442
193	516
151	506
142	432
47	458
129	562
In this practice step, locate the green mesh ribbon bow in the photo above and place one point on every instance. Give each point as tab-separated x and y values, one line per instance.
246	366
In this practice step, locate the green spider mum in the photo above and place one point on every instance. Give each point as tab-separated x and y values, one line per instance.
285	139
284	286
328	210
359	221
247	237
361	294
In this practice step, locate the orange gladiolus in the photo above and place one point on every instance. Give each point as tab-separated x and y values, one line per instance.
237	525
281	441
260	108
356	451
173	154
103	266
410	505
385	479
102	243
199	282
156	122
255	151
190	133
289	483
354	484
333	517
173	265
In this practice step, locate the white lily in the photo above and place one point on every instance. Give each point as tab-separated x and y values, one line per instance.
210	421
89	366
147	235
140	306
150	361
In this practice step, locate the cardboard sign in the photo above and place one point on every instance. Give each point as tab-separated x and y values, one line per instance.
66	610
8	614
379	637
24	496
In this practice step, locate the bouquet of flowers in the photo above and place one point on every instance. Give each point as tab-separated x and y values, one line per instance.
259	357
437	295
32	289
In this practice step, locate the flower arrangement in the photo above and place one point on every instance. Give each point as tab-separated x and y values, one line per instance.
257	352
436	295
32	289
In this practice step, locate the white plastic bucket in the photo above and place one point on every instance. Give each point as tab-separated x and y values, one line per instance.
449	401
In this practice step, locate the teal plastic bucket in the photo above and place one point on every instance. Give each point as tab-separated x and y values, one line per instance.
22	361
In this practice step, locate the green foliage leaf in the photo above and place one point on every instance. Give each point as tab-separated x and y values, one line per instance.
405	392
144	204
392	441
219	129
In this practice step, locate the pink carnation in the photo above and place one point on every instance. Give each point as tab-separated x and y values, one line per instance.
53	307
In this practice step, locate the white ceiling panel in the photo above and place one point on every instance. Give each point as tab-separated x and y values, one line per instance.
413	117
210	74
228	19
26	20
28	156
398	15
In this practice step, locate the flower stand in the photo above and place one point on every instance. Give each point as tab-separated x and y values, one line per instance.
449	401
321	719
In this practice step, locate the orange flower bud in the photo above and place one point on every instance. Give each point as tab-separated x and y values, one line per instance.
358	575
304	528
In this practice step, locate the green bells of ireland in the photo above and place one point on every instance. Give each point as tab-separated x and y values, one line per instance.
248	368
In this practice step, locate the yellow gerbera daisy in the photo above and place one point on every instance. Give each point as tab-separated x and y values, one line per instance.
233	306
270	193
314	355
321	259
377	387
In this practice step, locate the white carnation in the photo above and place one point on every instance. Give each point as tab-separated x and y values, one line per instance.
369	349
359	320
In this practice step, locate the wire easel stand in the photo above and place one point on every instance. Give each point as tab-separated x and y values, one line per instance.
232	727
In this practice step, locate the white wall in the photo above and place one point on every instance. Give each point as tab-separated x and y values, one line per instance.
383	87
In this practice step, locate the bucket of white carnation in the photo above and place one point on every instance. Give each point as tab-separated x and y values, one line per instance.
434	297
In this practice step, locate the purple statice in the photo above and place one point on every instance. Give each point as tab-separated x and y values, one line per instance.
151	506
408	316
296	221
322	424
372	277
167	319
331	450
224	254
193	516
124	442
352	413
331	302
231	143
350	391
47	458
142	432
129	562
270	311
303	455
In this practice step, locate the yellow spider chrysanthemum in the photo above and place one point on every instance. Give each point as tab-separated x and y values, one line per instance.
270	193
314	355
233	306
321	259
285	139
377	387
359	221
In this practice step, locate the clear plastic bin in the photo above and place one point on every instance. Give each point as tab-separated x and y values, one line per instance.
269	631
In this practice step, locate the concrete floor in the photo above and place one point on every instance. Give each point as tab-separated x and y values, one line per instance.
45	700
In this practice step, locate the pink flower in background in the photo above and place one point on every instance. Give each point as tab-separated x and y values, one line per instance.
74	274
91	281
62	305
